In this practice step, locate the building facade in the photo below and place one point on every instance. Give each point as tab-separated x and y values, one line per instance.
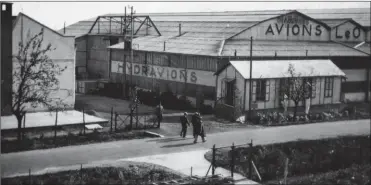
6	57
25	27
183	47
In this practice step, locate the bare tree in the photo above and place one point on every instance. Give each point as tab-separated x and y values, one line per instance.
296	88
35	78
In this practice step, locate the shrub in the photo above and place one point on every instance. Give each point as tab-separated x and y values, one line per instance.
206	109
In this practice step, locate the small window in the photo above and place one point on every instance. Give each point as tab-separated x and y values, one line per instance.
3	7
329	86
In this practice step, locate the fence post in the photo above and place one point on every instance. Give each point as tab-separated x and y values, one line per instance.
111	118
55	127
80	173
232	161
213	161
136	112
24	125
29	175
131	117
116	115
83	118
250	159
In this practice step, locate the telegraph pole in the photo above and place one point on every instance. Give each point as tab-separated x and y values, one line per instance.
131	47
250	83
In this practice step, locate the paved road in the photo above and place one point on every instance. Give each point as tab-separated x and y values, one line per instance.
15	163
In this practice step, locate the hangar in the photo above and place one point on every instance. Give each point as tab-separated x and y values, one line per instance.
184	52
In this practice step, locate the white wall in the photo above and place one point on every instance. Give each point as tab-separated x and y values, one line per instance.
274	102
230	73
339	33
63	55
284	31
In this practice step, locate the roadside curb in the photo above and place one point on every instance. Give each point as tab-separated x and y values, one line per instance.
153	134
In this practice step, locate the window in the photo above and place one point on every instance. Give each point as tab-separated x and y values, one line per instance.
262	90
329	86
3	7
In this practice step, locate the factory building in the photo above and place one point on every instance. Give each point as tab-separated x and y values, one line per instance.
63	54
186	53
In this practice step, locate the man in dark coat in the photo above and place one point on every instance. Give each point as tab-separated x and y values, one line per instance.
198	129
185	123
159	112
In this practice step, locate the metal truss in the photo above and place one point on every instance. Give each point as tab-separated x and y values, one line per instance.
124	22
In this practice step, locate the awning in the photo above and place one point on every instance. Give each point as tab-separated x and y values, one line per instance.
279	68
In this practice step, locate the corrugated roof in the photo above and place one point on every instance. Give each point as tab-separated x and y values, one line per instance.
208	47
279	68
360	15
333	22
167	23
287	48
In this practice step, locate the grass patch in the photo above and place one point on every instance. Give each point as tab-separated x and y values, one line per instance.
308	157
133	173
8	146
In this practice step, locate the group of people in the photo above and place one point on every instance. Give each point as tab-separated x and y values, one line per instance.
196	120
198	128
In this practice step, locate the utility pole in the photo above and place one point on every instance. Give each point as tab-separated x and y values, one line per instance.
250	83
131	47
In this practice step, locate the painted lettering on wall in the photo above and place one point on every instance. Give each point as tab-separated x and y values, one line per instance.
206	78
293	25
295	30
174	74
348	33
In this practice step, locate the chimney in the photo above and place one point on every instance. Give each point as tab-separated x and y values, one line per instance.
64	28
180	29
164	45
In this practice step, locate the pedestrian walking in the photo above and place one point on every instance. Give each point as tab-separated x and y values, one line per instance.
198	128
185	123
159	112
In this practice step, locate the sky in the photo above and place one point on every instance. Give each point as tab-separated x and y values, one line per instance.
55	14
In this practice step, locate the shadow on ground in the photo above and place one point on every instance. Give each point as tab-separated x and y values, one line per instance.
168	140
177	145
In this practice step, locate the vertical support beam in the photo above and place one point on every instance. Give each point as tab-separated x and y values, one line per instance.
110	24
121	31
244	96
213	161
83	118
250	80
368	68
250	159
232	160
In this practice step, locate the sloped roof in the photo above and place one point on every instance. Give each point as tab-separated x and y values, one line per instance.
43	25
287	48
194	46
165	20
333	22
279	68
360	15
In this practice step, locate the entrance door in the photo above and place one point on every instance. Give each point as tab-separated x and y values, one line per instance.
230	92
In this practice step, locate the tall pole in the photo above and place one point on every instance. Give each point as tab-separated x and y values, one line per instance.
131	47
250	83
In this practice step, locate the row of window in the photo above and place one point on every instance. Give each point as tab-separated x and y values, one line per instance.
261	89
170	60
